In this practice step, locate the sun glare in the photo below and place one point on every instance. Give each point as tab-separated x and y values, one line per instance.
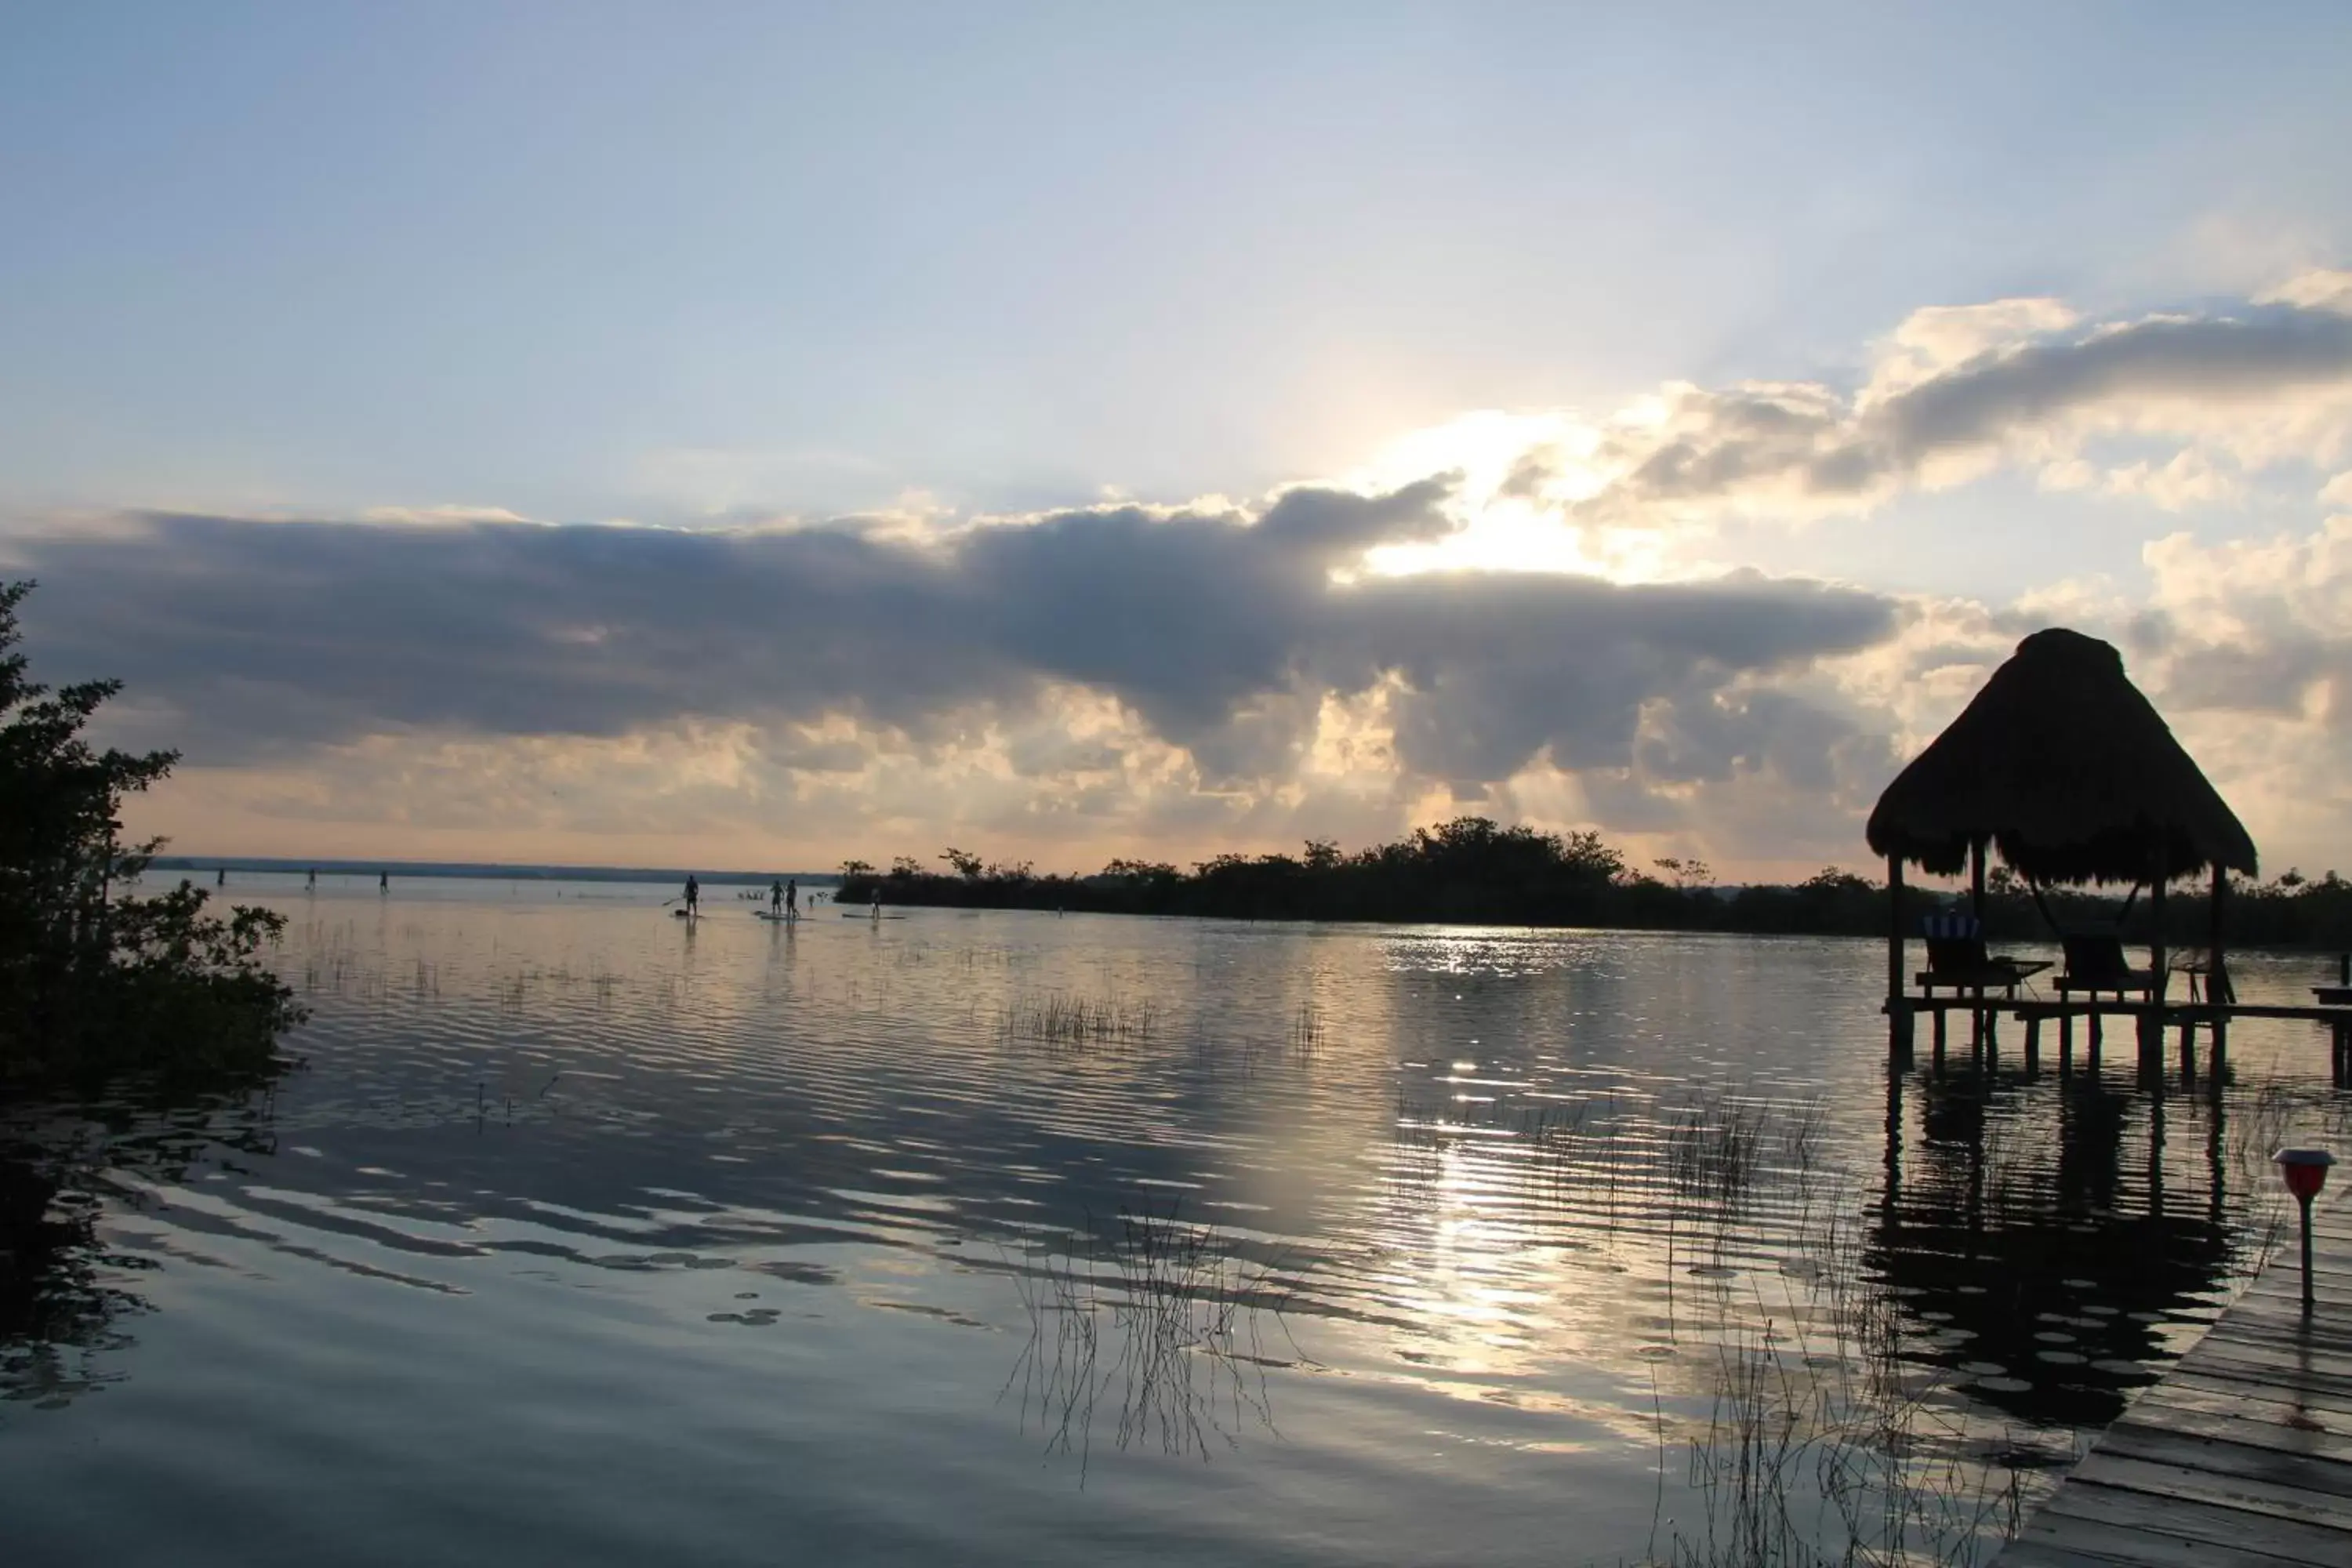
1518	479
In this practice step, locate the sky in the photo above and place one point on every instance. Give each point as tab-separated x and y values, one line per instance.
768	435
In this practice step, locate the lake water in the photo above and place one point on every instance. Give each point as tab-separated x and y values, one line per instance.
588	1235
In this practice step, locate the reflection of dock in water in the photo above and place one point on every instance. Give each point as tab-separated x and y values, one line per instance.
2241	1454
2043	1292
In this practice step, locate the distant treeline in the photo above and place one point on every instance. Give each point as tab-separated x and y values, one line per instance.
486	871
1473	871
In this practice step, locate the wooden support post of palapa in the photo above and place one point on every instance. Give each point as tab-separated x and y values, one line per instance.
2217	964
2158	958
1976	911
1898	988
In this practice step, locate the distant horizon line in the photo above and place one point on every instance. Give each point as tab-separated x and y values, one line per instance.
488	869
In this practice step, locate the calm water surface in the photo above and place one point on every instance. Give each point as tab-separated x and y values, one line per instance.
585	1235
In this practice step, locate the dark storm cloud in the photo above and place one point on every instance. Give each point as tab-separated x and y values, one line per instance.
1735	438
1220	631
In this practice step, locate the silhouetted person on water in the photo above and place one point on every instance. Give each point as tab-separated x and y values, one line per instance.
776	897
311	886
693	896
793	899
383	881
220	877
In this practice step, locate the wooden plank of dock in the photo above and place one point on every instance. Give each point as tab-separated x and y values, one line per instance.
2242	1453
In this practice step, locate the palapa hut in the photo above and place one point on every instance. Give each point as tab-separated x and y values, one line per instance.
2063	767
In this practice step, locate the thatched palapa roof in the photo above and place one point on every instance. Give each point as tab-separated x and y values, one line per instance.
2068	771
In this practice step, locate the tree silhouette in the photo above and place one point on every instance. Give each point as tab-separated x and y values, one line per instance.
92	980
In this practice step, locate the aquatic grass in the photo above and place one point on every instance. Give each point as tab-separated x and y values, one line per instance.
1831	1436
1724	1175
2275	1114
1801	1137
1162	1320
1713	1152
1831	1444
331	965
1060	1018
1793	1468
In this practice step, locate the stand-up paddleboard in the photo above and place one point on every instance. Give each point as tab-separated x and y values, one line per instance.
768	915
847	915
685	914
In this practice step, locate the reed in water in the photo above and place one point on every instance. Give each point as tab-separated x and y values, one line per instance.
1161	1322
1059	1018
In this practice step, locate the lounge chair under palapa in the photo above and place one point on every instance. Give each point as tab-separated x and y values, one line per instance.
1956	960
2096	963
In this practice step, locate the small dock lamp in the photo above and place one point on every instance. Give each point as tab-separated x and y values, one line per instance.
2306	1170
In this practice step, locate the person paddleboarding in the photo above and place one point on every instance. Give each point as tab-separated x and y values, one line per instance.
793	899
693	895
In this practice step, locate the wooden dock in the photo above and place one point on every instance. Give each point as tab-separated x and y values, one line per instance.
2242	1453
2148	1022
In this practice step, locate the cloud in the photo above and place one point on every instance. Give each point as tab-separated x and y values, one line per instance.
1937	338
2180	411
2321	289
2246	645
2257	625
1960	391
448	513
2188	479
1222	634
